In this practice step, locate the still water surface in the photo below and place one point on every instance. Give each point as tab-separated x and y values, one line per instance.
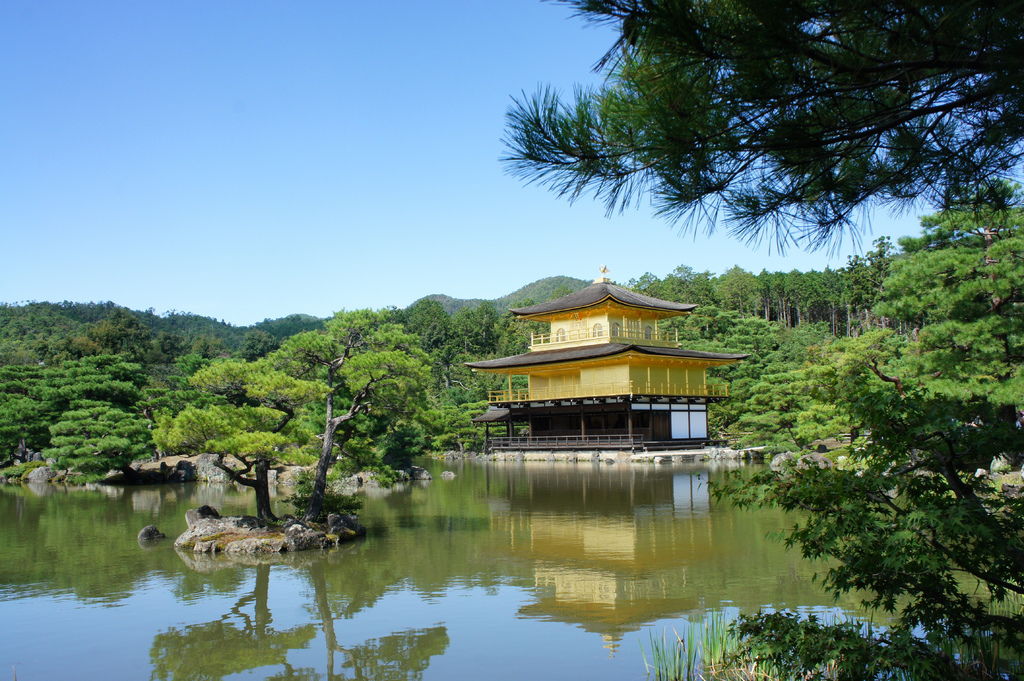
509	571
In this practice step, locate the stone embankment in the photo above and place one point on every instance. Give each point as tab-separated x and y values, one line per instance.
368	480
611	456
1002	473
201	468
209	532
171	469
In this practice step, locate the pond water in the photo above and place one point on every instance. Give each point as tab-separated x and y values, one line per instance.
509	571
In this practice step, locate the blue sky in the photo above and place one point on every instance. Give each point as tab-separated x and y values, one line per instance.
246	159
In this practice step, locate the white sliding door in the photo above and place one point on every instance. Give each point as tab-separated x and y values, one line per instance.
681	425
698	424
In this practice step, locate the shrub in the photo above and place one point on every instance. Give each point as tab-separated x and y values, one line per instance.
333	501
19	471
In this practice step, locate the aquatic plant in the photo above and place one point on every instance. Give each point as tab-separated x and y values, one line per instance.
787	647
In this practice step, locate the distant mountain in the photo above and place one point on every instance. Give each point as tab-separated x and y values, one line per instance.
537	292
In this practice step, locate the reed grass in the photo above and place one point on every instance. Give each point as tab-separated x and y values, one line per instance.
711	650
670	659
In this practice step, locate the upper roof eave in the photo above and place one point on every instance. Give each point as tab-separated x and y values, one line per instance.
598	293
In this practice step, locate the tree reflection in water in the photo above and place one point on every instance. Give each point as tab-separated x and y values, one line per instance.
244	638
402	655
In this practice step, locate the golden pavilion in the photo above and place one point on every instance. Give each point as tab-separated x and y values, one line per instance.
604	375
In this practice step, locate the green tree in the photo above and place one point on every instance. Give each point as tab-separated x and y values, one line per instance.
251	435
427	319
476	329
864	277
365	364
962	284
165	348
34	398
121	334
23	415
453	429
737	290
96	437
907	522
188	365
257	427
784	117
208	346
435	328
256	344
684	284
836	295
773	413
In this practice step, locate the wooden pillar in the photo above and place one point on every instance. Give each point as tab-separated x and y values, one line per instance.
629	424
583	424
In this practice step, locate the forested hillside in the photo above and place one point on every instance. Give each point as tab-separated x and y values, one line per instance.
48	332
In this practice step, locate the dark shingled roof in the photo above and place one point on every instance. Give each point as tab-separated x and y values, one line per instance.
595	293
491	415
592	352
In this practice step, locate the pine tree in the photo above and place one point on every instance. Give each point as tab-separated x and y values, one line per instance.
784	118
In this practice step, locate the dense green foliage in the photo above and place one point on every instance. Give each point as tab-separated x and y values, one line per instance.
905	521
95	437
81	413
784	118
781	319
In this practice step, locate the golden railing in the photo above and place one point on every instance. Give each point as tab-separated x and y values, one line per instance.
606	390
622	336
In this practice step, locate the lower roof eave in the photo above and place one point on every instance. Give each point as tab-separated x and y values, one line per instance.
517	364
625	397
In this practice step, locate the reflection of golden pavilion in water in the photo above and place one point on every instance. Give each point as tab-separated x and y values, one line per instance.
623	565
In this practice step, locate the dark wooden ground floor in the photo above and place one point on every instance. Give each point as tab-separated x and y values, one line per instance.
626	421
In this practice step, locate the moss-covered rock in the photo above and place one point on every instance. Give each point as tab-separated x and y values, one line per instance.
208	532
18	472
